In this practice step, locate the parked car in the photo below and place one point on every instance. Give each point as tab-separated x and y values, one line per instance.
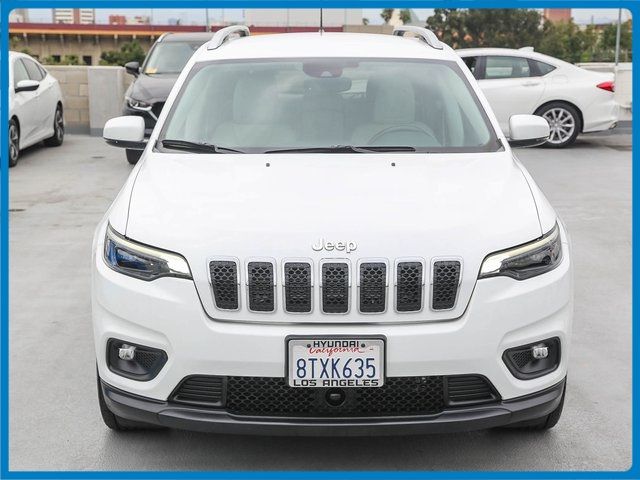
328	233
572	99
36	111
153	81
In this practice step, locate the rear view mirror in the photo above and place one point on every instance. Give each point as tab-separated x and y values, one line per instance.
527	130
27	86
132	68
125	132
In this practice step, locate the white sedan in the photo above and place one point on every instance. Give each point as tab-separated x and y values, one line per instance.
572	99
35	106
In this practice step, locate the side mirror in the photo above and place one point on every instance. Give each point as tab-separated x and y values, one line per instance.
125	132
27	86
527	130
132	68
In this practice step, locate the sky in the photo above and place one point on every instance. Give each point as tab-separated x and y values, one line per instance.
188	16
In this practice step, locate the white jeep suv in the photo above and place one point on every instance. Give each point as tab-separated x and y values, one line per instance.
328	234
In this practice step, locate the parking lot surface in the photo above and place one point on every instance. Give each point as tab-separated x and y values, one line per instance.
57	196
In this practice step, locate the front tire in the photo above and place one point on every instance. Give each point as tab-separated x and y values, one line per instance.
133	156
58	129
14	143
114	422
564	123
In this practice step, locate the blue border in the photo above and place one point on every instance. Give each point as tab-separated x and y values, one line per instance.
7	5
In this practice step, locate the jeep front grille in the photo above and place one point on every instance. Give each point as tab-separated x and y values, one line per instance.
297	287
409	286
224	280
379	282
261	286
373	287
335	287
446	277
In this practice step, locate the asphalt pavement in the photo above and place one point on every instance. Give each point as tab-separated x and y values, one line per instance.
58	195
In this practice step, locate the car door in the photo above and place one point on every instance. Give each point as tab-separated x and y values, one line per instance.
510	85
46	98
25	107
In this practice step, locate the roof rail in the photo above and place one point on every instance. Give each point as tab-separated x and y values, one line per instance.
223	35
425	34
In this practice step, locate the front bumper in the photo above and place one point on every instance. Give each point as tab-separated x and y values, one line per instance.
506	412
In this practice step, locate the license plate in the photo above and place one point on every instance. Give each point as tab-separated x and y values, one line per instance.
336	362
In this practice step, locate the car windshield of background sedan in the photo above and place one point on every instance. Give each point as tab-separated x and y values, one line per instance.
325	105
170	57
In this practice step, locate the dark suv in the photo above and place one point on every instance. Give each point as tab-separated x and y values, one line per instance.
155	78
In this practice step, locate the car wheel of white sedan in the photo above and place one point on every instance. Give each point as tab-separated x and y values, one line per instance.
14	143
58	129
564	123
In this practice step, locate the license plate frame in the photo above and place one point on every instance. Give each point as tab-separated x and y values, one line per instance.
369	340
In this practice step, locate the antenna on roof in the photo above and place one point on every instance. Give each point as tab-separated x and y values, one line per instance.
321	26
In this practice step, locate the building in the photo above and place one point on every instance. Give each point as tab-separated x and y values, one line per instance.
75	16
556	15
19	15
302	17
117	20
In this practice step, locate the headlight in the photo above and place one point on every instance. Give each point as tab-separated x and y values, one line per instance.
140	261
137	104
525	261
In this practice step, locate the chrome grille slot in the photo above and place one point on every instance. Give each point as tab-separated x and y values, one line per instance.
335	287
409	286
297	287
373	287
261	286
446	278
224	281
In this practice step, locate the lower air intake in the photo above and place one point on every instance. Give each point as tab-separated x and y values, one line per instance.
469	389
206	391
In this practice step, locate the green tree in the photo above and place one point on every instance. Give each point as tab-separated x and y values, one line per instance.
386	14
129	52
405	15
507	28
608	41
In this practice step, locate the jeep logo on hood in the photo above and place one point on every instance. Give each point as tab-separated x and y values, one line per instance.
343	246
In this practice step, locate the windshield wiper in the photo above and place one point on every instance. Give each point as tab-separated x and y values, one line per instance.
198	147
345	149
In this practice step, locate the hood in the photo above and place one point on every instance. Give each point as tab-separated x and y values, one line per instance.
391	206
152	88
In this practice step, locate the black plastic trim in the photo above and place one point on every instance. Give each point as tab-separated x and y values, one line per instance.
530	376
153	373
529	407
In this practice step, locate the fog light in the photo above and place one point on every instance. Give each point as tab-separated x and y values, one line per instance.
533	360
540	351
137	362
126	352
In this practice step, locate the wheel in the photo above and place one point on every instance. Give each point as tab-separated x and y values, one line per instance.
543	423
58	129
133	156
114	422
564	122
14	143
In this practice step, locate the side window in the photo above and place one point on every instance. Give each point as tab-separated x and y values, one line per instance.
32	69
471	62
19	72
540	68
507	67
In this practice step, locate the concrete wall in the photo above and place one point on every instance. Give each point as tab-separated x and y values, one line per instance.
92	95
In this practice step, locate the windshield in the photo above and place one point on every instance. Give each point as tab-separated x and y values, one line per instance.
292	104
169	57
